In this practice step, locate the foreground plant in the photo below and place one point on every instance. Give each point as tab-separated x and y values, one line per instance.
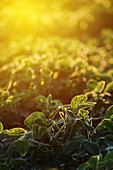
67	137
67	130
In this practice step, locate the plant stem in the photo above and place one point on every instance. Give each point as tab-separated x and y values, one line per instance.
40	143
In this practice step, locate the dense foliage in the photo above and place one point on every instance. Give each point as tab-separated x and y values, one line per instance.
56	85
65	137
60	67
37	131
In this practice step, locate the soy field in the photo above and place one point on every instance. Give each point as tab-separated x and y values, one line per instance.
56	85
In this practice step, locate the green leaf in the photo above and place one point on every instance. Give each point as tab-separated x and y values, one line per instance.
86	105
5	131
71	147
91	85
78	100
49	99
108	160
93	162
99	88
35	130
109	87
39	121
39	98
109	112
83	113
109	125
91	147
108	164
54	113
10	149
16	131
9	99
41	132
56	102
22	147
1	127
105	123
100	126
43	105
109	155
84	166
19	162
111	117
30	119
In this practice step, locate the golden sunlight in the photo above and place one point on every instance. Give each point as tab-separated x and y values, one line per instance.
34	18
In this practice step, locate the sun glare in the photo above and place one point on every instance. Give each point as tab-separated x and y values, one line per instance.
46	17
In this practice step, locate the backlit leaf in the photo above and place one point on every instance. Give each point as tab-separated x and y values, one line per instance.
30	119
91	85
109	112
100	86
109	87
83	113
87	104
16	131
1	127
39	98
105	123
77	100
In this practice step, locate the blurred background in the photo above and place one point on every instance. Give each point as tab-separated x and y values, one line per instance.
51	47
20	19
